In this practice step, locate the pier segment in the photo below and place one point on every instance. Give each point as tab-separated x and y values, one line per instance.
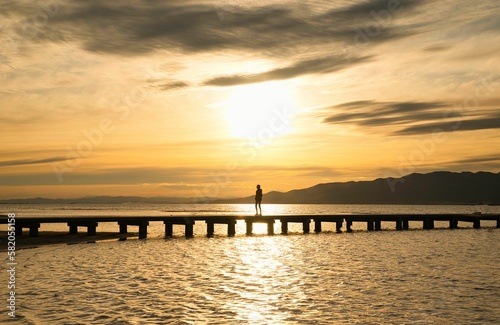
188	222
229	221
269	220
32	226
373	222
91	227
285	220
143	227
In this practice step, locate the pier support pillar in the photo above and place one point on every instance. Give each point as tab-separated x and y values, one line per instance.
270	227
369	225
143	227
399	224
34	230
306	226
231	228
169	229
19	230
378	225
73	229
189	228
498	223
317	226
477	224
348	225
143	230
453	223
406	224
338	225
249	227
210	229
91	229
428	223
284	227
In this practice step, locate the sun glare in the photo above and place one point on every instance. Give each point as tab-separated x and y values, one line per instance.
259	110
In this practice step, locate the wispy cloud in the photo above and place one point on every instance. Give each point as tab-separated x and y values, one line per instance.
411	117
313	66
478	159
174	85
459	125
20	162
375	113
150	175
110	176
478	163
383	12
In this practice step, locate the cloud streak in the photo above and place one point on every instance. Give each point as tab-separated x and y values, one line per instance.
174	85
459	125
313	66
152	175
20	162
413	117
375	113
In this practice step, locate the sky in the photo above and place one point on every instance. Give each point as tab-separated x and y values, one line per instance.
209	98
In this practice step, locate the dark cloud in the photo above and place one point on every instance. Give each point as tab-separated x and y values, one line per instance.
437	48
414	117
20	162
373	113
385	9
479	159
314	66
142	26
459	125
175	85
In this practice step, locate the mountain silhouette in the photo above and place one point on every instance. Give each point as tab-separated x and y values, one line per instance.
432	188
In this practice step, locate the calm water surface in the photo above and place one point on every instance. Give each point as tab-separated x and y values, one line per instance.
436	276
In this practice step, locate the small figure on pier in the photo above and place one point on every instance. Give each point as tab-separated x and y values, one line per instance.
258	200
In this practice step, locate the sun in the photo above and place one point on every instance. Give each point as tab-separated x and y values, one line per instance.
259	110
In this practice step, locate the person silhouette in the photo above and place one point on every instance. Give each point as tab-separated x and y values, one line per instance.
258	200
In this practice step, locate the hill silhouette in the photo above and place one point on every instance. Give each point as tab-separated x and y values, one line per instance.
431	188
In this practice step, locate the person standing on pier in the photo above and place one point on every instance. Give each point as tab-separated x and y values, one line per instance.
258	200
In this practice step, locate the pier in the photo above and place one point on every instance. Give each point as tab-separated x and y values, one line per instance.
342	222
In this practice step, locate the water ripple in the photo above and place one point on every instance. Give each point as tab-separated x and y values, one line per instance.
419	277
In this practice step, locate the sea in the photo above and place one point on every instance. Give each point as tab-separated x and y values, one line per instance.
438	276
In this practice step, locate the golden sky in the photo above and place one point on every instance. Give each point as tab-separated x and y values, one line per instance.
209	98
